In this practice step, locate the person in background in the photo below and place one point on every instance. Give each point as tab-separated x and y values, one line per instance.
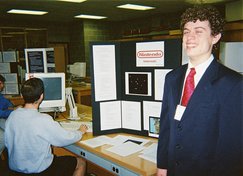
30	134
6	107
201	117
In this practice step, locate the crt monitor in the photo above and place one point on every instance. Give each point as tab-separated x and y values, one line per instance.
78	69
54	92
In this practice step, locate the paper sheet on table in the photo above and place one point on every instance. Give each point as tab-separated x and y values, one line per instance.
150	153
97	141
126	149
120	139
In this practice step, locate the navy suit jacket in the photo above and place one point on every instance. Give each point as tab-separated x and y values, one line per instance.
207	141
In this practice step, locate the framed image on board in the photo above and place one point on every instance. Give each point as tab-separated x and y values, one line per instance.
138	83
154	123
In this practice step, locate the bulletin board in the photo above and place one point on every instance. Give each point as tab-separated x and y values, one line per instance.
127	83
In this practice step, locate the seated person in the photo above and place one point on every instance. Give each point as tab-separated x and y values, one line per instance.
29	135
6	107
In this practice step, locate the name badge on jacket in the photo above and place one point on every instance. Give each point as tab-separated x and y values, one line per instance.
179	112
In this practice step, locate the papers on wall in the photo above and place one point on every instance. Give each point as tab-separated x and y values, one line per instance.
10	78
4	67
126	148
159	80
110	115
11	89
150	54
104	72
97	141
131	115
9	56
11	83
138	83
150	108
150	153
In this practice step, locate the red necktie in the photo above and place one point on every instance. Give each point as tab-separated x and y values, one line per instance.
189	87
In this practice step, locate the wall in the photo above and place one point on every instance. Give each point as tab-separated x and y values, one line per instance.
76	44
97	31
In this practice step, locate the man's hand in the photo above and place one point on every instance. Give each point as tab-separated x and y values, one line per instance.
83	128
161	172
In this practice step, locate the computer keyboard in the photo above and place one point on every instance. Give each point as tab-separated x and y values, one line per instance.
75	125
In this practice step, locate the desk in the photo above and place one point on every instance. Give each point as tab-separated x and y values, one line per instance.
131	165
82	91
113	164
16	100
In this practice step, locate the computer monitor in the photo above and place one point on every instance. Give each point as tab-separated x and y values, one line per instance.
54	92
40	60
78	69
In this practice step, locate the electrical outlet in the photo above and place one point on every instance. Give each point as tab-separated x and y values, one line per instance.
82	153
115	169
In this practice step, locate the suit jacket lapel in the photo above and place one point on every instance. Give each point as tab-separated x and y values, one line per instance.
177	88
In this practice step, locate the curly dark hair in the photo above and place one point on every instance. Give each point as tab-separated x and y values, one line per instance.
204	13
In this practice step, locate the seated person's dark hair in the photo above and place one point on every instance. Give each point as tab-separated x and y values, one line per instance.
2	79
32	89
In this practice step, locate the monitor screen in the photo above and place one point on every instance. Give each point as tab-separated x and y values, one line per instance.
54	92
36	62
53	88
40	60
78	69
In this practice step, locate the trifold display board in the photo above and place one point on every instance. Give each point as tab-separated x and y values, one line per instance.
128	81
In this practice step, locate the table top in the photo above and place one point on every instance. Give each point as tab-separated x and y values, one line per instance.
132	162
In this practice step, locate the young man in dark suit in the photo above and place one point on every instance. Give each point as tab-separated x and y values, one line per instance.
201	118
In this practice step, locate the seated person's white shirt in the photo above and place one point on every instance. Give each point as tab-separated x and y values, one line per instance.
29	136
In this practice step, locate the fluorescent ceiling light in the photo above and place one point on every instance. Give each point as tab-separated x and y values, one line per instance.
90	17
76	1
27	12
135	7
